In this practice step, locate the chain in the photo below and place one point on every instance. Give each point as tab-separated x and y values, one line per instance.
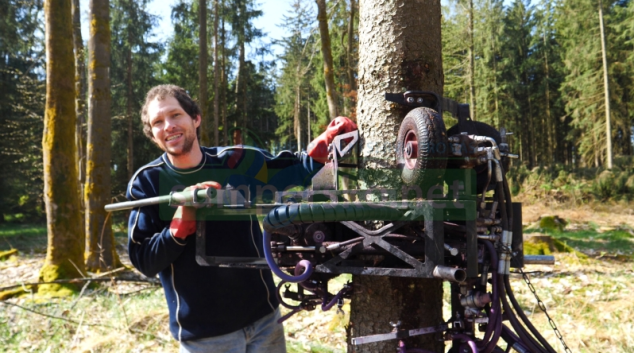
541	305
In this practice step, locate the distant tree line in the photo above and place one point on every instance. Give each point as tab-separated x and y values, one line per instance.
536	69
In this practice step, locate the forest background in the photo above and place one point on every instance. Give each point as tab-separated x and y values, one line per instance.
536	70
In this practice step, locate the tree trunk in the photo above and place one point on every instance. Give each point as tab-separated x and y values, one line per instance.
331	92
606	90
308	130
64	256
129	116
240	88
202	71
216	77
553	144
100	247
399	49
296	118
80	95
223	81
350	67
472	93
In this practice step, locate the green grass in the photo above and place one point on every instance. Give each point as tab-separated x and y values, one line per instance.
591	241
25	237
99	320
9	230
30	238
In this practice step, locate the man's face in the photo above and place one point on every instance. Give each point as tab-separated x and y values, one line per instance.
173	130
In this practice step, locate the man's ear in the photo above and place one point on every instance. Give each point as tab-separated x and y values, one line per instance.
197	121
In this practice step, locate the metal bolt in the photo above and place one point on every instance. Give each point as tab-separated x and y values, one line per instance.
410	99
419	100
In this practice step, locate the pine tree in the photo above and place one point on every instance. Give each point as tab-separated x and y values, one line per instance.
516	100
583	88
65	250
297	59
23	93
135	68
101	253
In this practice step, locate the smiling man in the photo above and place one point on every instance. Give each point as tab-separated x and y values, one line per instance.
211	309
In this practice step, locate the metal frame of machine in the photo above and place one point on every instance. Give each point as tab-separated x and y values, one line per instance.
470	236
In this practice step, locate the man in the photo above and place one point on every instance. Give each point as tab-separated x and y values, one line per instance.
211	309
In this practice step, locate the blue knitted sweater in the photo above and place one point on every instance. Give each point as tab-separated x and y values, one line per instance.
210	301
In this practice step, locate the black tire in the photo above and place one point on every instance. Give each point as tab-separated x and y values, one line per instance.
481	129
426	127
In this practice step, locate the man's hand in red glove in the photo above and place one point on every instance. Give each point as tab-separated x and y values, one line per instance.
184	220
318	148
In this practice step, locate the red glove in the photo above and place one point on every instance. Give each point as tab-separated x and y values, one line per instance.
184	220
318	148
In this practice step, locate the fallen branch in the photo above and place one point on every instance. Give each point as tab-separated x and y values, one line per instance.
7	254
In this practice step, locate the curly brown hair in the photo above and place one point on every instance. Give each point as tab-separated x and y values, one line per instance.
160	92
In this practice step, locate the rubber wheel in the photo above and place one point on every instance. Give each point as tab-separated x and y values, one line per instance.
422	148
481	129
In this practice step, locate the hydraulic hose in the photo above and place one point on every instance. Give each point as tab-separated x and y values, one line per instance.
470	342
281	300
524	318
526	339
326	306
494	328
495	300
302	213
497	330
308	267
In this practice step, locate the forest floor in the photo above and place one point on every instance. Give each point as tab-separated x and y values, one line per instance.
589	298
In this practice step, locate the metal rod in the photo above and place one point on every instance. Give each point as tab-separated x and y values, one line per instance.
539	260
450	274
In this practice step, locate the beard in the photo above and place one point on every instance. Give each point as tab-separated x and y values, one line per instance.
187	146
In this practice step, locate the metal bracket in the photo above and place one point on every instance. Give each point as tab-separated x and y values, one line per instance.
328	177
398	334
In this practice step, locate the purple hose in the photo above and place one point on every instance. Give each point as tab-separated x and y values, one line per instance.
336	298
279	273
313	287
285	317
470	341
282	302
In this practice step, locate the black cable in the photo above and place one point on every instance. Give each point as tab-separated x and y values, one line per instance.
525	337
524	318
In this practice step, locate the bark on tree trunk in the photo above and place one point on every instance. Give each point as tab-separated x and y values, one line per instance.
216	77
80	96
350	67
129	99
472	94
202	71
606	90
297	124
399	49
240	88
331	92
101	254
61	197
223	81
